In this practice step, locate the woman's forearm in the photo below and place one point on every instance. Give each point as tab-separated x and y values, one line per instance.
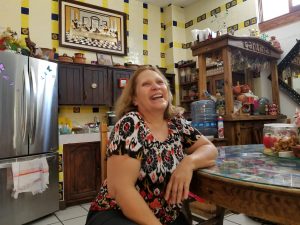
134	206
203	156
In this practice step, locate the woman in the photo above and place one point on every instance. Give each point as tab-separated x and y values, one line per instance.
152	153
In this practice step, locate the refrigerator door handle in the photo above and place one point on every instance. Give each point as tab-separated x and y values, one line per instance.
33	106
25	104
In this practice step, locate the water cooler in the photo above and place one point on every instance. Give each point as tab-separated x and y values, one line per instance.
204	117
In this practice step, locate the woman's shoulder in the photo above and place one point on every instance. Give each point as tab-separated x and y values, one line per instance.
178	119
133	114
132	117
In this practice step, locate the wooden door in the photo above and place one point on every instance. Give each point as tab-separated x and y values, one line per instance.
97	86
82	175
70	84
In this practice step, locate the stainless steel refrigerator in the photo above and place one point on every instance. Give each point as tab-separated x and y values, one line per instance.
28	130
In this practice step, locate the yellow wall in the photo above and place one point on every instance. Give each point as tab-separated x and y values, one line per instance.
41	26
240	12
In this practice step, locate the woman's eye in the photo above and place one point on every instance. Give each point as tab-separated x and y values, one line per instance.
146	84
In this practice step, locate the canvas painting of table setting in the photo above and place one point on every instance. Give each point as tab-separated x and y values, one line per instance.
92	28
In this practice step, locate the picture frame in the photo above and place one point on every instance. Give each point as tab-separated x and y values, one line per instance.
122	82
92	28
104	59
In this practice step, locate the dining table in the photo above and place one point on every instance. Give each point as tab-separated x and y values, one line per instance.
245	180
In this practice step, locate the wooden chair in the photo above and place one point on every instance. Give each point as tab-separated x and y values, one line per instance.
103	145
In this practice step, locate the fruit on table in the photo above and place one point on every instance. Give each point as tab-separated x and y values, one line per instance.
269	140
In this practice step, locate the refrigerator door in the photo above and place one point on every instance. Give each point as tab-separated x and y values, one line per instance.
27	207
43	132
14	98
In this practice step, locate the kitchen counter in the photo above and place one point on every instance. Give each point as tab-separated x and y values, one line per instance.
78	138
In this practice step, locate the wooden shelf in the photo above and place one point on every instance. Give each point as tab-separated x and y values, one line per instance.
239	129
189	83
191	64
188	101
214	74
251	117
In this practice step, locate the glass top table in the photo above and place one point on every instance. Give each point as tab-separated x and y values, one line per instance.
246	180
249	163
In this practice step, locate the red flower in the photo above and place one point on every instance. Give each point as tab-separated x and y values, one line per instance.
155	204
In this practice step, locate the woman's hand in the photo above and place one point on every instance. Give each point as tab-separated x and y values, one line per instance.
178	187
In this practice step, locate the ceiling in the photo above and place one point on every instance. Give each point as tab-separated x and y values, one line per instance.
163	3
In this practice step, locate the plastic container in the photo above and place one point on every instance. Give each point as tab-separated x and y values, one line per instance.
204	117
279	137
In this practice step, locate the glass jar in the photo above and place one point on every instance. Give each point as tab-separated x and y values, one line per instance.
279	137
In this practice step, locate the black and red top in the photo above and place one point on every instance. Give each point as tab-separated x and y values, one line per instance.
132	136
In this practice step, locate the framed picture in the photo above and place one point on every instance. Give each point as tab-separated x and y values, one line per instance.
104	59
122	82
92	28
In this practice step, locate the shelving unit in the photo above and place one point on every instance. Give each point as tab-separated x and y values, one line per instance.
188	79
239	129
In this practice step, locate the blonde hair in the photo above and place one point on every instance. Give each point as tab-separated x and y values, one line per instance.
125	103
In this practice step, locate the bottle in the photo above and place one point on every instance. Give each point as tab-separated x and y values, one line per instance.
220	127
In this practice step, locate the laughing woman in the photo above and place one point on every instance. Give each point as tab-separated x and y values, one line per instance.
151	156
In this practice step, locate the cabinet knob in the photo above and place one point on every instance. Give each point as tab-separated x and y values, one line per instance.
93	85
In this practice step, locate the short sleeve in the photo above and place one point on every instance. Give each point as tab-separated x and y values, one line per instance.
127	137
189	135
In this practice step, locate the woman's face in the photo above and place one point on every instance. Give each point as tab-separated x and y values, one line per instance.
151	92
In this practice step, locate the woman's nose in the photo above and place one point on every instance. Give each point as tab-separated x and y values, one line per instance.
154	85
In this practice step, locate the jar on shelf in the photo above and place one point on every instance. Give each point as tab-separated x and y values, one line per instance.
279	137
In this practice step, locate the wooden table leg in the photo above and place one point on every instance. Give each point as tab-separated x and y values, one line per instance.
220	215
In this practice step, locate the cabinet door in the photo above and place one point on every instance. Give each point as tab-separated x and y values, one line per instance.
97	86
70	89
117	74
81	172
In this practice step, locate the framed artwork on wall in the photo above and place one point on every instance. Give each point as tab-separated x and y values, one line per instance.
92	28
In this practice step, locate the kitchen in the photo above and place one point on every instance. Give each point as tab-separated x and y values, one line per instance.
147	43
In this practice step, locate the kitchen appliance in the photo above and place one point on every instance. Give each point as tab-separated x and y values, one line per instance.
28	130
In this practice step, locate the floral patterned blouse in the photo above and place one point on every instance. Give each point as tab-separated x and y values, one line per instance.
132	136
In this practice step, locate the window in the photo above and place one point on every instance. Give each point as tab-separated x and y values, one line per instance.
272	15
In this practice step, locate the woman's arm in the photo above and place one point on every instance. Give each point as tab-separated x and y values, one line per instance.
201	154
122	173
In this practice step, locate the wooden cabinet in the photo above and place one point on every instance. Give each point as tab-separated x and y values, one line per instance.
82	175
117	74
97	86
230	51
70	84
83	85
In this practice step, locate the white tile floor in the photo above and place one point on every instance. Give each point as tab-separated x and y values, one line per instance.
76	215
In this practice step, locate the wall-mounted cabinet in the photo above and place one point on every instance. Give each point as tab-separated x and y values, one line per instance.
116	74
81	84
70	84
97	86
223	62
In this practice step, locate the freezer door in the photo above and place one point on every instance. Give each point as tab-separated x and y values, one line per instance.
43	132
27	207
14	99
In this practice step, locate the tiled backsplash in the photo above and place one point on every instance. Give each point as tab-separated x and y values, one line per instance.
80	115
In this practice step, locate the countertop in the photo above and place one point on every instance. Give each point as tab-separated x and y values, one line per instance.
79	138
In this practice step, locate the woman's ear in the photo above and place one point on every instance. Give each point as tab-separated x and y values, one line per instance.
134	102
